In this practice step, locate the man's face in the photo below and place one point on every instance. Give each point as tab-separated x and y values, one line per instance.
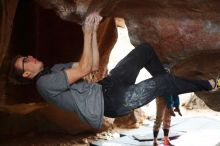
29	65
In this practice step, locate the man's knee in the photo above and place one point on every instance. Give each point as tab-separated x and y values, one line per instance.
146	47
145	44
145	50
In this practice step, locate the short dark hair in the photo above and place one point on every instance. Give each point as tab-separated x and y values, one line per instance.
16	73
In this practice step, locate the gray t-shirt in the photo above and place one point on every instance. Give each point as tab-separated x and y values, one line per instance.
81	97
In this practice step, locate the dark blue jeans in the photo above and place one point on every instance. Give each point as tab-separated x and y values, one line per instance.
122	95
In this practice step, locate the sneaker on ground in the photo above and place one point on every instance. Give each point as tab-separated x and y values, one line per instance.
166	142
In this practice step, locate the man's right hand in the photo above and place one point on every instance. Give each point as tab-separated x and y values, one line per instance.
91	22
97	19
88	24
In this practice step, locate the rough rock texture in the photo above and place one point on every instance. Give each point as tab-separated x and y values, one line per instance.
194	103
7	13
133	120
184	33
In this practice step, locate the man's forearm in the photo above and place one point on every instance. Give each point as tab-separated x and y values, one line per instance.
95	49
95	63
86	59
85	63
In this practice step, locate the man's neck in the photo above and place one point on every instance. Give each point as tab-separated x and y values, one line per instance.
45	71
38	72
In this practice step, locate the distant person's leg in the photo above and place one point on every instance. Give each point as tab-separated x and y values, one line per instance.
160	111
166	127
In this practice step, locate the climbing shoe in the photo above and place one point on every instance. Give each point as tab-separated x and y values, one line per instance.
217	84
166	142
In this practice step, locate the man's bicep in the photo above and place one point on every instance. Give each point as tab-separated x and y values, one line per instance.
73	74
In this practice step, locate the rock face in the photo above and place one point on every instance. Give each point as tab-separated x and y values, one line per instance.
184	33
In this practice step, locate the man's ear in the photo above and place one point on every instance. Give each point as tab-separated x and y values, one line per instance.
26	74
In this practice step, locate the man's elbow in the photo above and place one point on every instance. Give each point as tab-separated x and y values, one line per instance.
86	70
95	68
